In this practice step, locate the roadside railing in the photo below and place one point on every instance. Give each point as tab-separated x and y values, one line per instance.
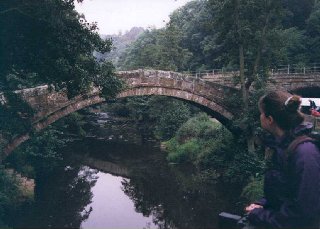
295	69
289	69
211	73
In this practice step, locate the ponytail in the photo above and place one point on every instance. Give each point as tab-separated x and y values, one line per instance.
283	107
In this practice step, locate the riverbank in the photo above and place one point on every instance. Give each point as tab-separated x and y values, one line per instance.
25	185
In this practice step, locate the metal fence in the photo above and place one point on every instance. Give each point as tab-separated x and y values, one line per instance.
289	69
293	69
211	73
296	69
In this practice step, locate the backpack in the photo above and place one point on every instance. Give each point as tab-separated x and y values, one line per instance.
313	137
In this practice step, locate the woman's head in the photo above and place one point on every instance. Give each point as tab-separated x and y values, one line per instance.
283	107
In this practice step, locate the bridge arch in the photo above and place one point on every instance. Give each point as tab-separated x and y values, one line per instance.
219	112
210	93
308	91
43	119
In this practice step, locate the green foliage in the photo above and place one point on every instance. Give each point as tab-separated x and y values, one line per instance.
41	152
198	127
313	32
15	116
213	150
194	134
48	42
292	46
183	153
184	44
297	12
141	53
159	49
251	117
253	190
145	109
119	44
174	114
118	108
107	80
72	124
198	35
9	194
207	35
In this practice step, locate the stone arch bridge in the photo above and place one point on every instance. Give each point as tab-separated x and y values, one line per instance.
211	91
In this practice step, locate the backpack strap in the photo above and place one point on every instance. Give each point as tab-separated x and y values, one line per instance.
297	141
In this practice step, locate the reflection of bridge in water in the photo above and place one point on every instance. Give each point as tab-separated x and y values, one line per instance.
105	166
212	92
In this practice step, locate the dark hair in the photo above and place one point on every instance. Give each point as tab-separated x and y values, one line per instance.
283	107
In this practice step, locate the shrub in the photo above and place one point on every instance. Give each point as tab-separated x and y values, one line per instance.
196	127
185	152
193	139
253	190
210	147
9	193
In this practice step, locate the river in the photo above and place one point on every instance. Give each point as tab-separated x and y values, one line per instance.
112	180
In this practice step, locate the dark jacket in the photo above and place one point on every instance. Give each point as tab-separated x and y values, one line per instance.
292	185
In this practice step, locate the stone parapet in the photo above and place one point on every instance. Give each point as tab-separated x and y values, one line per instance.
210	91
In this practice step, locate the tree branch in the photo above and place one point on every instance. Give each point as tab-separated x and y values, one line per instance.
9	10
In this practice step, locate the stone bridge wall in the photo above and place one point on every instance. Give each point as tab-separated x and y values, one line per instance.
293	82
207	94
288	82
211	92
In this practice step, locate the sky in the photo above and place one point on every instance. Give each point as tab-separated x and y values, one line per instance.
114	16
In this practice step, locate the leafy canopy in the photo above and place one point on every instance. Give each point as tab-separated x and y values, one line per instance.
48	42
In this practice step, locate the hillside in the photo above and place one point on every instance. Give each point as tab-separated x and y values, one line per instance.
120	43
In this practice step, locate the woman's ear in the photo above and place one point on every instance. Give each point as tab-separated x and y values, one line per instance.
270	120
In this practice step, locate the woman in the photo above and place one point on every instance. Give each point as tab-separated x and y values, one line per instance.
292	181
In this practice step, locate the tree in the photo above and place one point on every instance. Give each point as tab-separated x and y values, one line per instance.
297	12
182	45
48	42
245	31
313	33
172	56
196	34
142	52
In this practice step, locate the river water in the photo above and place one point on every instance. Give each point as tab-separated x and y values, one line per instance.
111	180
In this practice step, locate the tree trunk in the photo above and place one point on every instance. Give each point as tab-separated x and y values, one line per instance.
243	79
245	98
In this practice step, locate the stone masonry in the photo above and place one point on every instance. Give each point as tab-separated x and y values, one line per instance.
210	91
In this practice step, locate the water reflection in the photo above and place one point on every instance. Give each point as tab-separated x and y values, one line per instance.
111	208
173	197
60	200
153	194
176	198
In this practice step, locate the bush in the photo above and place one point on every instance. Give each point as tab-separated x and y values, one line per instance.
211	148
41	153
196	137
199	127
9	194
253	190
171	119
186	152
72	124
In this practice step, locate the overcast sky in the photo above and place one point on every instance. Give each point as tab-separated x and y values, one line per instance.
121	15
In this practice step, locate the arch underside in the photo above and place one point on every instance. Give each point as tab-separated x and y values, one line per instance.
210	107
307	92
51	118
